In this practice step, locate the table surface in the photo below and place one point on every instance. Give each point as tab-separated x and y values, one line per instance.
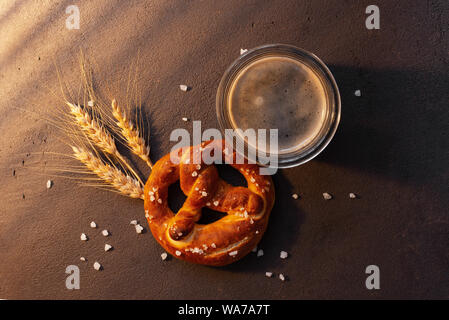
391	148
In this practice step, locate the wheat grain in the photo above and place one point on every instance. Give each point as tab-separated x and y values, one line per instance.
113	176
98	135
131	134
93	129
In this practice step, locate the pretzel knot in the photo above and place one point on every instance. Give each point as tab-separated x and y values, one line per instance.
225	240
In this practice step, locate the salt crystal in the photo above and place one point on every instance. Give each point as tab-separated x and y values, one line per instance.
213	245
327	196
83	237
139	228
295	196
284	254
357	93
105	233
233	253
97	266
82	259
90	103
194	174
260	253
107	247
159	201
243	51
93	224
134	222
216	203
178	253
183	87
269	274
164	256
282	277
49	184
352	195
185	119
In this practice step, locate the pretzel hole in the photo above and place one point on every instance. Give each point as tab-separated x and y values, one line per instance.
176	197
209	216
231	175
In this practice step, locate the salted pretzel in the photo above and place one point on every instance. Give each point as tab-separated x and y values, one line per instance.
225	240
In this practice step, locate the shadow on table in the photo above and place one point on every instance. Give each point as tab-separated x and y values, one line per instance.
398	128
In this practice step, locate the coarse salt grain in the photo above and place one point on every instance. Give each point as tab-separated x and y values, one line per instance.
233	253
97	266
134	222
295	196
243	51
269	274
327	196
159	201
194	174
152	198
49	184
185	119
90	103
213	245
357	93
93	224
164	256
284	255
352	195
260	253
183	87
178	253
105	232
82	259
204	194
107	247
139	228
83	237
282	277
216	203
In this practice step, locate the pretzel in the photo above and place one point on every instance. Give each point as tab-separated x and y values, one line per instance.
225	240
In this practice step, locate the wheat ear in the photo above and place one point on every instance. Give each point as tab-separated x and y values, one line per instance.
98	135
125	184
131	134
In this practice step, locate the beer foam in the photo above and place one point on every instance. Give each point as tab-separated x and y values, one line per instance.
279	93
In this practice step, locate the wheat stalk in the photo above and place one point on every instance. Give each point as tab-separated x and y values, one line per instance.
98	135
123	183
131	134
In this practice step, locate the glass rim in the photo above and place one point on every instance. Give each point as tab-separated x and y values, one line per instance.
292	159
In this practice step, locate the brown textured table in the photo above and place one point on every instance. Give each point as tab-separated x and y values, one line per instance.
391	149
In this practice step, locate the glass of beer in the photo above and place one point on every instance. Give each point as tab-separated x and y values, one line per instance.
280	87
